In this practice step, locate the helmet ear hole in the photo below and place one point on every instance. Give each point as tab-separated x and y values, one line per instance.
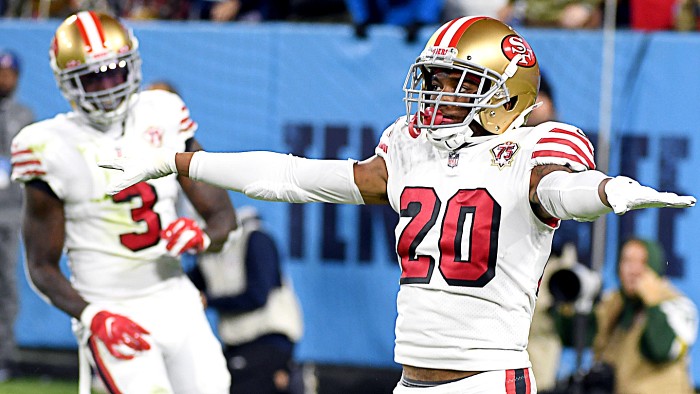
511	103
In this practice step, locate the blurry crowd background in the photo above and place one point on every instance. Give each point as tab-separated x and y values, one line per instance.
647	15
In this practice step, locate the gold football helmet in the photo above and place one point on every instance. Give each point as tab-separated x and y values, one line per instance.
488	54
97	66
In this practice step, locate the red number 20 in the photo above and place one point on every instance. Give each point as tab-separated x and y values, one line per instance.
144	213
471	213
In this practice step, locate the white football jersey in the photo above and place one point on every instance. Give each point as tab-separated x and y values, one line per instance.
471	250
113	243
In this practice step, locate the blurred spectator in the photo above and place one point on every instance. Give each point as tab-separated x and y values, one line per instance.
216	10
688	15
39	9
646	327
56	8
13	117
409	14
455	8
567	14
622	14
259	314
271	10
651	15
642	331
241	10
153	9
329	11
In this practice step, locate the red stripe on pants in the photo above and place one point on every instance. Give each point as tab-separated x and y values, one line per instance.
510	381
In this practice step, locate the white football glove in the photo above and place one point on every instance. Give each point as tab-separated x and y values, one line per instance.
155	163
625	194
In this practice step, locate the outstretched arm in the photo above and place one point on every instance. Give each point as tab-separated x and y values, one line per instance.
264	175
556	191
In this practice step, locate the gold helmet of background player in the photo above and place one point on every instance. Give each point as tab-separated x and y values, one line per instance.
487	53
97	66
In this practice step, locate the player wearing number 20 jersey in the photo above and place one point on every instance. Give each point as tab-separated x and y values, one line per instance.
113	242
469	243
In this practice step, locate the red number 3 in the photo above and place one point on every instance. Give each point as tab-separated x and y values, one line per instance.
468	238
144	213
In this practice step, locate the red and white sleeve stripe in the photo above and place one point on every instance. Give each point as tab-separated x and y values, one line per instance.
569	148
187	125
26	165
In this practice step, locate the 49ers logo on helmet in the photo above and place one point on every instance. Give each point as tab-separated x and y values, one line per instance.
515	45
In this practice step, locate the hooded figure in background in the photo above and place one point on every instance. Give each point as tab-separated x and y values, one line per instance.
645	328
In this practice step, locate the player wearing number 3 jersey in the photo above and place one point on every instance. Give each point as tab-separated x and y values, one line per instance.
138	319
478	195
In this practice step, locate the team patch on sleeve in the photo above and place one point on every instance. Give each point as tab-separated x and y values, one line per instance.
569	148
26	164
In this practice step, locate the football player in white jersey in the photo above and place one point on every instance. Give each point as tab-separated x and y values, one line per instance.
138	319
478	195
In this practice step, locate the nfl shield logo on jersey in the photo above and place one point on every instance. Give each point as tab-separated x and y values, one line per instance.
503	154
452	159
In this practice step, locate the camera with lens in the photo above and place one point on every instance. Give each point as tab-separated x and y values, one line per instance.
577	285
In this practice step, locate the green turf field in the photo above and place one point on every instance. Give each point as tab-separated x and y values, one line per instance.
38	386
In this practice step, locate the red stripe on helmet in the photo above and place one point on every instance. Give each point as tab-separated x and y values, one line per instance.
83	34
455	37
463	28
97	25
444	30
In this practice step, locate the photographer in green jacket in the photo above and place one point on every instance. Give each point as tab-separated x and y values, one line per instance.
642	330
